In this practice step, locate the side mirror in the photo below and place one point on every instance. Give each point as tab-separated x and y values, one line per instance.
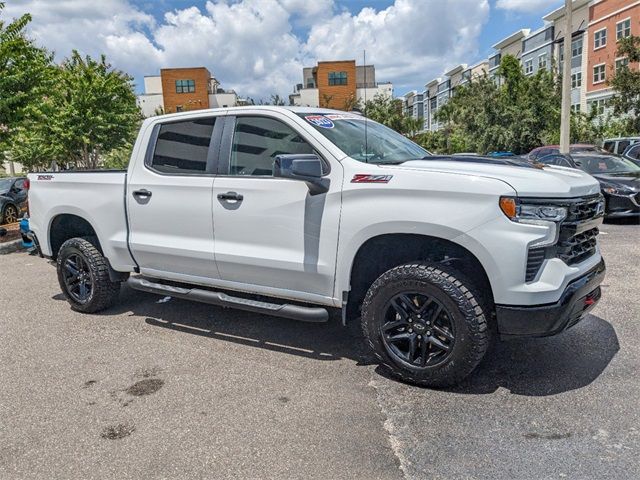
304	167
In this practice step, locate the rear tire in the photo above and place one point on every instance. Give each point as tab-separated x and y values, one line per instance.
83	275
424	325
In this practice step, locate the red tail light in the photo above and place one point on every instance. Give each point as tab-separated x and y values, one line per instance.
27	183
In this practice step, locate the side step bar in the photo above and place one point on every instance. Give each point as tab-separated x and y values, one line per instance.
293	312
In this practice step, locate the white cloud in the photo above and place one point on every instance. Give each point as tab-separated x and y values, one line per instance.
526	6
259	47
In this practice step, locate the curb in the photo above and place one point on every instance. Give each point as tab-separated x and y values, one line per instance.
10	247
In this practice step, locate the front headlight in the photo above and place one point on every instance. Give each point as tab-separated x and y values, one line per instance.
537	214
544	215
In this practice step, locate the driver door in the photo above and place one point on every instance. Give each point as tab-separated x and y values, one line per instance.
271	235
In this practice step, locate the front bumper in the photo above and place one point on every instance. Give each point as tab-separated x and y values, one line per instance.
619	206
578	298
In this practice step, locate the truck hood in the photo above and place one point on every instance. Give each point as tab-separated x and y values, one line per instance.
527	181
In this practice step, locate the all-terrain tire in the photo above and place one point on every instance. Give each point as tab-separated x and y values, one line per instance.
104	292
464	313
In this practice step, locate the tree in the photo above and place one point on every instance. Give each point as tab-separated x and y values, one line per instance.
386	110
517	114
25	76
91	112
626	83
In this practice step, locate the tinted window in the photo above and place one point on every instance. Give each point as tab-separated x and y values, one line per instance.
622	145
258	140
19	185
182	147
606	164
609	146
634	152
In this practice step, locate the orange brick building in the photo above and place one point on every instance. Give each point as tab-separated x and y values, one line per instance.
185	88
181	90
609	21
336	83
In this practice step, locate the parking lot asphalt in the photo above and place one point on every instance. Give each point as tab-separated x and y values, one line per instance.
171	389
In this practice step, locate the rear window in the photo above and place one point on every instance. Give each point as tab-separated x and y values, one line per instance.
183	147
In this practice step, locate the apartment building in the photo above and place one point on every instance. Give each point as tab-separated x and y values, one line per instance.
579	24
338	84
537	50
412	105
183	89
596	28
439	90
609	21
511	45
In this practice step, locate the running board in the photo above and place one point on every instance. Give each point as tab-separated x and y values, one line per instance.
293	312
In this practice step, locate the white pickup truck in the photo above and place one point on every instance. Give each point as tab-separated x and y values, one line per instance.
294	211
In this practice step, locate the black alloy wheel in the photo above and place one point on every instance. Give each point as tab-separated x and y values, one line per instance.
77	278
418	330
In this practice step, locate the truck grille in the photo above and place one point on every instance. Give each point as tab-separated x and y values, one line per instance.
584	210
578	247
576	238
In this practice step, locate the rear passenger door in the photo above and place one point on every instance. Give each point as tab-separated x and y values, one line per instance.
169	200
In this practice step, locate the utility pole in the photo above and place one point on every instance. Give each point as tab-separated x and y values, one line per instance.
565	112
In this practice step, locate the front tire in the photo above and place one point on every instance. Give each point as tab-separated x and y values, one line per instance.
424	325
83	275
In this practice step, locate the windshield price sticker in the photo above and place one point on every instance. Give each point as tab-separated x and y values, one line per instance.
319	121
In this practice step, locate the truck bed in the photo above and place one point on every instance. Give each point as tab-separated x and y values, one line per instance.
96	196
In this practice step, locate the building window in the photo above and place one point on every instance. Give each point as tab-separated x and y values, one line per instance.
599	74
576	48
600	38
337	78
185	86
542	61
179	108
597	106
575	108
528	66
576	80
621	63
623	29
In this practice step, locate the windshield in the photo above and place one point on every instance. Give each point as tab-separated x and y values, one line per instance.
5	184
606	164
374	143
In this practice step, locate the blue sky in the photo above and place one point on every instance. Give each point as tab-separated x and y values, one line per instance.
259	47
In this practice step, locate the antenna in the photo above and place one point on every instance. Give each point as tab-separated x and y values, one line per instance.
366	121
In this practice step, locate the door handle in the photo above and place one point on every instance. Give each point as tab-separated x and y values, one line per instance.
144	193
230	196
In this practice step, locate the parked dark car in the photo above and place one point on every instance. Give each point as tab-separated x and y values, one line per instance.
13	199
632	152
619	179
540	152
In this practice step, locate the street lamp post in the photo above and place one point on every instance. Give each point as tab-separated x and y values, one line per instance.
565	112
